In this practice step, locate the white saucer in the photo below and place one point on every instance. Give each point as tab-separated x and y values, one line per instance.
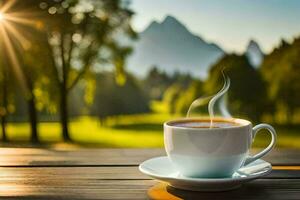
161	168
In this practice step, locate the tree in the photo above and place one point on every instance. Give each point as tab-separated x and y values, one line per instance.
156	83
187	96
36	67
4	84
112	99
171	95
25	51
82	34
180	83
281	71
246	95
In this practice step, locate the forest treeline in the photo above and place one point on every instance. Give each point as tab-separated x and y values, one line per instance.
255	93
270	92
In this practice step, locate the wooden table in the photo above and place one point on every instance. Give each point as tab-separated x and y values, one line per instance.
37	173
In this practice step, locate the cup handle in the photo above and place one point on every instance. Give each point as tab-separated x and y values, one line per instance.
266	150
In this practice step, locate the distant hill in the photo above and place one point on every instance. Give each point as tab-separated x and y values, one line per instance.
254	54
172	47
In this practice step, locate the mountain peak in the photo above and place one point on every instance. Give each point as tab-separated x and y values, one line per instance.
171	46
169	24
170	20
153	25
253	44
254	53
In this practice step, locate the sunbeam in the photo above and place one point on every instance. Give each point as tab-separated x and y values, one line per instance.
5	7
10	17
10	35
15	33
2	17
10	51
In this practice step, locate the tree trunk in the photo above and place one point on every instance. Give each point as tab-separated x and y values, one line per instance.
33	119
64	114
3	127
3	117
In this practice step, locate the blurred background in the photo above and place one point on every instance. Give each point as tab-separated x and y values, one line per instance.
108	73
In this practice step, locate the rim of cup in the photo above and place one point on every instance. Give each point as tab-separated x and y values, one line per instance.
241	123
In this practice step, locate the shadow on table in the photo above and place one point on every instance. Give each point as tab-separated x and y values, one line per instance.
163	191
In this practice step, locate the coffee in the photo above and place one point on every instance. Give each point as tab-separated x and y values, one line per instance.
204	124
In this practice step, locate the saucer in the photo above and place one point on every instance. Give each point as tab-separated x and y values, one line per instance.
161	168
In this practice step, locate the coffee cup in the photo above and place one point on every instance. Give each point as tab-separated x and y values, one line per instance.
197	149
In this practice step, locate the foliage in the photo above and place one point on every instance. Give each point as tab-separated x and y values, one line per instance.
179	97
171	95
112	99
6	94
246	95
175	94
83	34
69	38
281	70
156	83
5	77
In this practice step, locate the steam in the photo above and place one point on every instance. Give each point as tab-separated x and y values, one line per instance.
198	102
212	100
216	97
223	107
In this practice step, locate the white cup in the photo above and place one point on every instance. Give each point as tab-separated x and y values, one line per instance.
212	152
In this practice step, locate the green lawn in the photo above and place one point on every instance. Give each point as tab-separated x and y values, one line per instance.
129	131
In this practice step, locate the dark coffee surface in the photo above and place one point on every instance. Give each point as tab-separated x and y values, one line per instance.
205	124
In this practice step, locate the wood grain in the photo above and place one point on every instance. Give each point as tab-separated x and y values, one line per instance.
100	173
142	189
113	174
262	189
107	157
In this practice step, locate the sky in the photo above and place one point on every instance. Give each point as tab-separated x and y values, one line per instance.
228	23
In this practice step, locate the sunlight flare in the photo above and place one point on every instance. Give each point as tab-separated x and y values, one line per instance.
5	7
19	37
13	58
11	36
13	17
2	17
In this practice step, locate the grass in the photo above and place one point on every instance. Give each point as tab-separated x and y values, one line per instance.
130	131
146	131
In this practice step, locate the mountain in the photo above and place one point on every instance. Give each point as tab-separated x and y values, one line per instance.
254	54
171	47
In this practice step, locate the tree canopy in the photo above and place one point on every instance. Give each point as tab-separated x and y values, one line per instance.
247	94
112	99
281	70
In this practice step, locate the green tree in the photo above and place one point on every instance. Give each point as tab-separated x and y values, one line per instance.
6	95
247	94
177	90
171	95
187	96
24	43
81	35
156	83
281	71
113	99
36	67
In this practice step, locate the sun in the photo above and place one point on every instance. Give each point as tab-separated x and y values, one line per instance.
2	17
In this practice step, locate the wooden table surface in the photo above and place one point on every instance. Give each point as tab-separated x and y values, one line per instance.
37	173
